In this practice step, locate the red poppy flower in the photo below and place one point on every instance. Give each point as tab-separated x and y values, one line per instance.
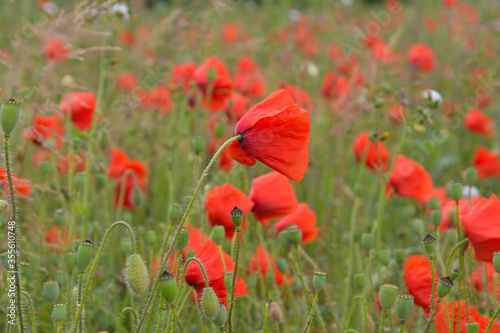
82	106
430	24
219	203
335	86
410	179
305	219
300	97
397	113
442	318
483	272
238	106
350	68
418	279
422	57
486	162
22	187
482	226
55	50
126	81
273	196
68	160
437	192
233	32
275	132
217	89
261	262
334	51
183	75
50	127
127	37
475	121
118	165
158	99
54	238
375	155
450	3
449	211
248	78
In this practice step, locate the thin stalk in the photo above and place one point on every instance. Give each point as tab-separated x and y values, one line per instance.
402	327
233	284
122	316
431	259
353	302
32	313
365	310
309	320
431	317
448	263
461	265
80	305
266	318
495	315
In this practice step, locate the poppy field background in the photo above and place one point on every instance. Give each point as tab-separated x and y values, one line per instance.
350	142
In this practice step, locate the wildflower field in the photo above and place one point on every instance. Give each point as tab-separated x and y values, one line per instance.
250	166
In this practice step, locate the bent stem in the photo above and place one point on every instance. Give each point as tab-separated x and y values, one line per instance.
233	284
312	311
96	260
431	318
122	315
495	315
145	311
32	313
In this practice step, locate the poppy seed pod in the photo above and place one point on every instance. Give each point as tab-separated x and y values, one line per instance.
168	286
221	318
275	312
281	264
269	279
190	254
429	245
399	255
434	203
59	217
294	235
404	305
24	265
3	205
367	241
137	276
59	312
456	191
182	240
9	115
51	290
319	280
218	233
418	226
496	261
470	176
284	239
436	217
174	212
237	217
70	260
472	327
209	303
198	144
84	254
360	280
454	273
444	286
384	256
387	295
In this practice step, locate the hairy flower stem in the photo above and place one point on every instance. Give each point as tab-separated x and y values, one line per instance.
80	305
233	284
14	232
185	217
309	320
96	260
402	327
265	324
365	310
32	312
122	316
351	311
431	317
495	315
461	265
448	263
431	259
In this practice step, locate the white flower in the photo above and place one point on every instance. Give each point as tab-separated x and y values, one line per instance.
433	95
473	191
311	69
121	9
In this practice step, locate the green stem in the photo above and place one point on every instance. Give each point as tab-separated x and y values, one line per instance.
266	319
495	315
448	263
179	228
353	302
32	313
80	305
309	320
365	310
122	316
301	275
431	317
160	315
461	265
382	325
233	284
431	259
402	327
96	260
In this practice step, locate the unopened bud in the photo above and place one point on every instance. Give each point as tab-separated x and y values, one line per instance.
174	212
209	303
9	115
221	318
198	145
360	281
436	217
275	312
137	276
70	260
496	261
434	203
59	217
384	256
3	205
367	241
470	176
454	274
151	237
182	240
456	191
281	264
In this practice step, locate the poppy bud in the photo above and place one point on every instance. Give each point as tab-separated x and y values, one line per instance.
59	217
496	261
281	264
46	168
182	240
3	205
294	235
404	305
452	236
80	180
319	280
436	217
51	290
454	273
387	295
4	257
444	286
399	254
284	239
434	203
418	226
228	280
9	115
84	254
209	303
168	286
198	145
101	181
360	280
70	260
221	318
190	254
456	191
269	279
472	328
59	312
60	278
151	237
275	312
174	212
384	256
220	128
367	241
470	176
137	276
237	217
24	265
429	245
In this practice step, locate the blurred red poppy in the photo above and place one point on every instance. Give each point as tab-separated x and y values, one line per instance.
305	219
418	279
471	314
127	37
449	211
374	154
397	113
225	162
183	75
248	78
275	132
486	162
43	128
335	86
22	187
81	105
68	160
262	262
475	121
55	50
300	96
213	79
126	81
410	179
422	57
55	237
484	272
238	106
158	98
233	32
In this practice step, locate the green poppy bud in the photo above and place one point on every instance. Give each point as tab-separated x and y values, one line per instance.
360	281
101	181
319	280
9	115
284	239
404	305
51	290
367	241
378	102
70	260
59	217
174	212
452	236
24	266
221	318
454	274
237	217
456	191
198	145
151	237
399	255
3	205
46	168
444	286
470	176
218	234
209	303
429	245
418	226
84	254
59	312
60	278
281	264
384	256
269	279
294	235
220	128
387	295
472	327
126	246
182	240
190	254
434	203
137	276
496	261
168	286
436	217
